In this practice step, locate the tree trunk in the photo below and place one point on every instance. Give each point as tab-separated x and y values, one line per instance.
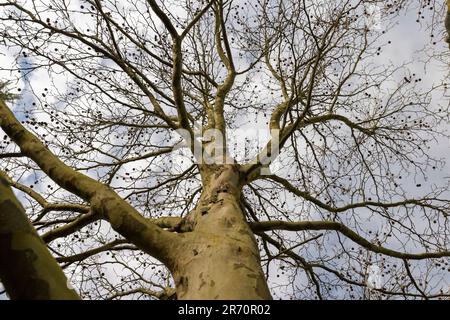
219	258
447	22
27	269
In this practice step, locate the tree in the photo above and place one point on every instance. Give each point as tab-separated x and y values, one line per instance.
126	159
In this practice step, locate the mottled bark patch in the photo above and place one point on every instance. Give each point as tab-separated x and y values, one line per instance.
260	286
241	265
222	188
182	286
8	219
204	210
133	224
3	181
186	224
202	283
229	222
24	281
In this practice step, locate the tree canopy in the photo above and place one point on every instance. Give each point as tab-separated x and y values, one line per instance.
171	149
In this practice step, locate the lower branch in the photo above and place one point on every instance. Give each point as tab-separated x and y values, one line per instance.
336	226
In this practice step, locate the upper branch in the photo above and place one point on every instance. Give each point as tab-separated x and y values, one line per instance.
227	59
305	195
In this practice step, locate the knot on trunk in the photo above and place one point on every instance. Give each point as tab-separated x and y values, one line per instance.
186	224
214	197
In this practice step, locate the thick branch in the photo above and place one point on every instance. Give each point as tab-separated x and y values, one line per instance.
227	59
27	269
104	201
336	226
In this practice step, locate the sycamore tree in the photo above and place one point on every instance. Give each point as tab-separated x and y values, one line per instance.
224	149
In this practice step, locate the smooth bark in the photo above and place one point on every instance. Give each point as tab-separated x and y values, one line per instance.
27	269
220	257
